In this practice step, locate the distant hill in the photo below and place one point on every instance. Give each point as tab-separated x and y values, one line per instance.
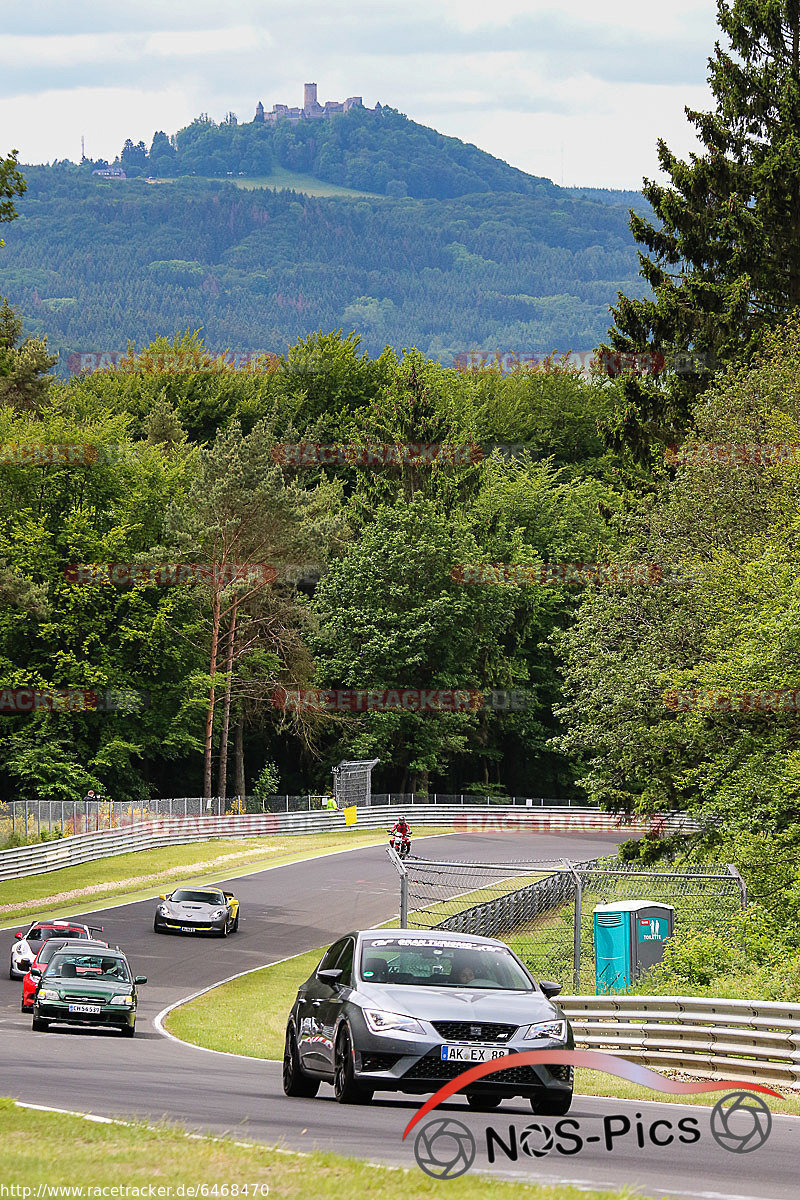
376	151
511	263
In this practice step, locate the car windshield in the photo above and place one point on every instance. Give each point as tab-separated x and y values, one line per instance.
101	967
442	962
182	896
48	950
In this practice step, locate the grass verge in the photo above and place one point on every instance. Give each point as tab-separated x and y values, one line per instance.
248	1016
143	873
137	1155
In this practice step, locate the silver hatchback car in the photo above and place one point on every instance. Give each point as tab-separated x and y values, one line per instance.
406	1010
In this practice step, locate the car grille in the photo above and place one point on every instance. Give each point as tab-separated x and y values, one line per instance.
563	1073
475	1031
85	1000
432	1067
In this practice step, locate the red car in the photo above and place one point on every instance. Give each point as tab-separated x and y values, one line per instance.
31	980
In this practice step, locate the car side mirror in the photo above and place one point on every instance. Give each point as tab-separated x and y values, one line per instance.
331	975
228	895
35	972
140	979
162	897
17	935
549	988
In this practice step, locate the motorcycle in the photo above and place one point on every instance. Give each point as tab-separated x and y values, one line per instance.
400	843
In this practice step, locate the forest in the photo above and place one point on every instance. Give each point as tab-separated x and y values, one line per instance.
98	264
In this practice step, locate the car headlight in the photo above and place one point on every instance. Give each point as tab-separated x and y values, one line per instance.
218	915
48	994
163	911
379	1021
127	999
555	1030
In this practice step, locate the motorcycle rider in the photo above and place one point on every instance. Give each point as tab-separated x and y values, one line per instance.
404	830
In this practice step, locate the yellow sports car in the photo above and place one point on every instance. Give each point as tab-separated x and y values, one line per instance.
188	910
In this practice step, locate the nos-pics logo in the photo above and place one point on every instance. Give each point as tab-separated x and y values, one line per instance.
446	1148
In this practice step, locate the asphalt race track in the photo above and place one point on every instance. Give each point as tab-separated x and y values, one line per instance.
298	907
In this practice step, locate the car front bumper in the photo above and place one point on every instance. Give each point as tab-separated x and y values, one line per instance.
174	925
415	1065
111	1016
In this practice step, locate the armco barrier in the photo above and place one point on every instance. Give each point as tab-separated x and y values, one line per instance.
164	831
755	1041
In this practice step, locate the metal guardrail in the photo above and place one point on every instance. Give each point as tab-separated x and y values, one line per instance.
164	831
754	1041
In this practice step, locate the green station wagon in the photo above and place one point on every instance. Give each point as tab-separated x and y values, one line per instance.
87	988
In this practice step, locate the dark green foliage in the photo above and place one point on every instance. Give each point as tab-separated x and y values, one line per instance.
723	257
96	264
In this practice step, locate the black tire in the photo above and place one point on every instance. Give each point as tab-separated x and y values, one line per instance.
39	1025
223	929
551	1104
156	927
345	1088
483	1103
236	924
128	1030
295	1081
11	974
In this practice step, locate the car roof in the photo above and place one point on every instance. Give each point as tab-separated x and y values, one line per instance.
423	935
65	924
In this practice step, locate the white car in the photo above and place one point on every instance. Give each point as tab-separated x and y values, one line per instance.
27	945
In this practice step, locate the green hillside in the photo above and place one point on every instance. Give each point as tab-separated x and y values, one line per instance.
375	151
261	234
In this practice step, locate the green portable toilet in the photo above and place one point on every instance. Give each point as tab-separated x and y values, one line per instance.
629	938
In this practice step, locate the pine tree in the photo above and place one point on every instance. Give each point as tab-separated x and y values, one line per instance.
11	184
725	260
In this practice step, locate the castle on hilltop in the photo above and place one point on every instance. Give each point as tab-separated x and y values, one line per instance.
312	110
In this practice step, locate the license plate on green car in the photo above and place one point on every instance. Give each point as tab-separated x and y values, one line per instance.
85	1008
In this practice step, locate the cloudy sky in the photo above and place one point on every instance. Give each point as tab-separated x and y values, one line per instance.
569	89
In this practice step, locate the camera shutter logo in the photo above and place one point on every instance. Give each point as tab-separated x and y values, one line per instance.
741	1122
536	1140
444	1148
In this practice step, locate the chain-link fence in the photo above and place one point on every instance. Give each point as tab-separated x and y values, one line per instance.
352	782
544	908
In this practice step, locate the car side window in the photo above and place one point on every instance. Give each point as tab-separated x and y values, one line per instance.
330	958
345	962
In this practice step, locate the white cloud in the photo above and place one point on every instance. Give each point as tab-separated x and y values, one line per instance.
182	43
